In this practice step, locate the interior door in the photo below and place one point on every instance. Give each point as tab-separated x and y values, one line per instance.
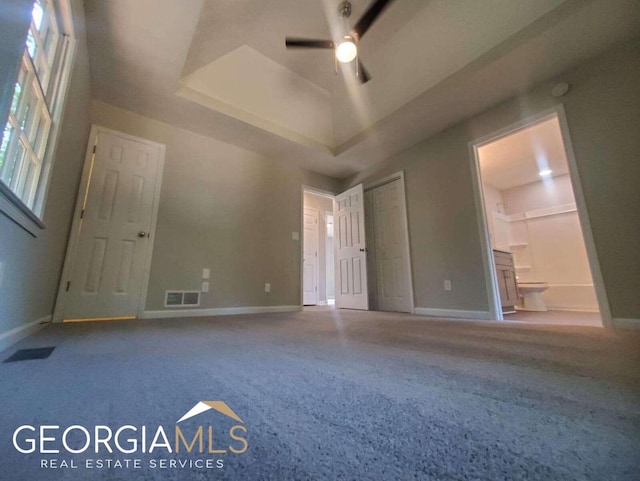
391	257
108	265
350	250
310	261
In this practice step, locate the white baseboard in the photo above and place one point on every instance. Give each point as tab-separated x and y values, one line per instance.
9	338
621	323
456	313
220	311
571	308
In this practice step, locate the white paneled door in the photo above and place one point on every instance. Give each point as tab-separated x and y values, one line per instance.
350	250
311	242
391	255
109	262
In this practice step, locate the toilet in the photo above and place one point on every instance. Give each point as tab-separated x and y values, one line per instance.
532	295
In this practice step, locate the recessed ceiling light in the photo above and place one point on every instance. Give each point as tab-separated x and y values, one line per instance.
545	173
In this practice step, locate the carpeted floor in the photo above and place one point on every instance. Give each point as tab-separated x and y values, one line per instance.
331	395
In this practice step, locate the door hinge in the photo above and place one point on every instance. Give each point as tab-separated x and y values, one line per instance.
82	214
68	285
94	148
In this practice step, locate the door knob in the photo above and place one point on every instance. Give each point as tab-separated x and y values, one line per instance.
363	249
142	234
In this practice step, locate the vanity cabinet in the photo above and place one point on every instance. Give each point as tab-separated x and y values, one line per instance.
507	283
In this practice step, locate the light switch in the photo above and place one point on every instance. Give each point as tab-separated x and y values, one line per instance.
295	235
447	285
205	287
267	287
206	273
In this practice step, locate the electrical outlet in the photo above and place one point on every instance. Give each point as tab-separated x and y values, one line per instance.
206	273
295	235
267	287
447	285
205	287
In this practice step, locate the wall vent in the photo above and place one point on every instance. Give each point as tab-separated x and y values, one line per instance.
182	298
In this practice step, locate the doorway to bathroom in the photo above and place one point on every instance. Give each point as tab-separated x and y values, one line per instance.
539	259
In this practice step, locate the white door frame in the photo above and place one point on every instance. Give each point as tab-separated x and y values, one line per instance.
405	224
493	296
322	193
74	236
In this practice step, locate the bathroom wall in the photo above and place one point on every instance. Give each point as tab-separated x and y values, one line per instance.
539	195
498	228
547	242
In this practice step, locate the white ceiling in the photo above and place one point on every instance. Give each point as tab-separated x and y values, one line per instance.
219	67
225	25
517	159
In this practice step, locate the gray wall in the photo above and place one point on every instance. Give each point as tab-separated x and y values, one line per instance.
32	266
603	112
324	205
224	208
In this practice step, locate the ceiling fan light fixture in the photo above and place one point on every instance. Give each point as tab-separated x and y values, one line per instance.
346	50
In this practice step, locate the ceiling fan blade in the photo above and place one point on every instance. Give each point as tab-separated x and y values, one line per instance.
308	43
370	16
363	75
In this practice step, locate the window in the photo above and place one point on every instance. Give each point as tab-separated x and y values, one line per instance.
28	136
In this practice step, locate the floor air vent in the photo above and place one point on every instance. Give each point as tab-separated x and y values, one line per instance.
182	299
30	354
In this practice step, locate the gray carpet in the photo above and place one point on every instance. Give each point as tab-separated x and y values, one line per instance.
340	395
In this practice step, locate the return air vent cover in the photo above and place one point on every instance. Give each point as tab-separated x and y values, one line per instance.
182	298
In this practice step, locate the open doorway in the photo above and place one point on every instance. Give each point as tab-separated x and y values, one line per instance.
355	248
539	264
330	267
317	249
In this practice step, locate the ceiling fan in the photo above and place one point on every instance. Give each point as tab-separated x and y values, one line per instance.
346	49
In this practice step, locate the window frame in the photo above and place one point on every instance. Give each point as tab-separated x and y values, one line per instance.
53	104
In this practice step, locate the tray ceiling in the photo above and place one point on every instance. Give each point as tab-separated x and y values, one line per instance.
220	68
